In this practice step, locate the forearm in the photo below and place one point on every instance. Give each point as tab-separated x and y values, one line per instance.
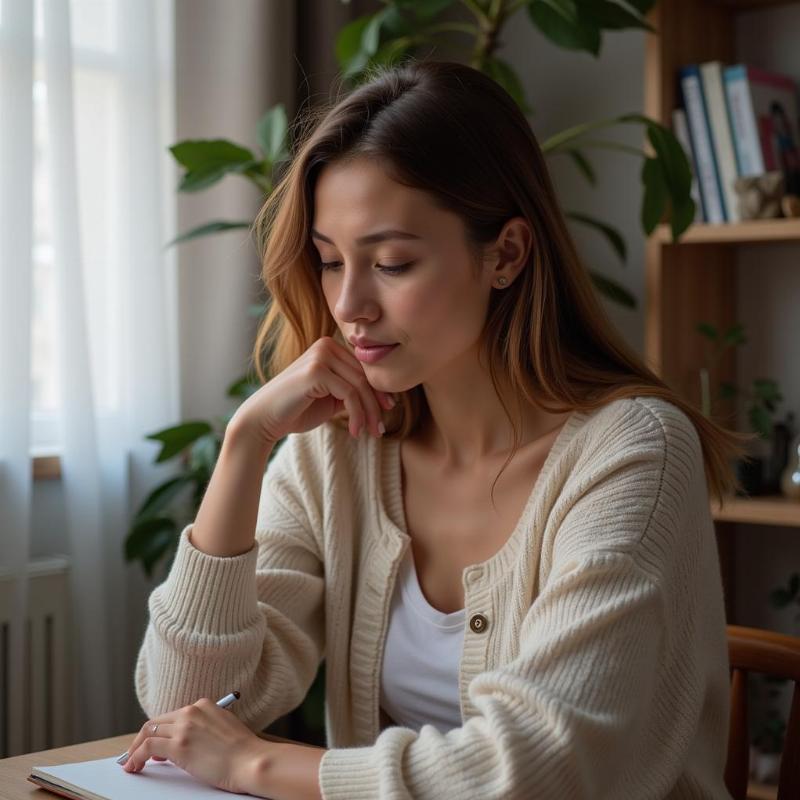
287	771
226	520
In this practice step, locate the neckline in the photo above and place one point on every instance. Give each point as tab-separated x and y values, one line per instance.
389	497
412	591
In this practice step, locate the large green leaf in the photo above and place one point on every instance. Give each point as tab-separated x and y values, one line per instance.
609	15
203	153
424	9
148	541
348	41
242	388
611	234
203	454
583	164
271	133
208	160
612	290
179	437
655	195
163	495
561	22
502	72
666	178
202	178
218	226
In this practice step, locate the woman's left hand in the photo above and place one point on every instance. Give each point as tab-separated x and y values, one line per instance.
207	741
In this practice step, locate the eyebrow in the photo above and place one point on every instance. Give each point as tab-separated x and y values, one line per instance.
372	238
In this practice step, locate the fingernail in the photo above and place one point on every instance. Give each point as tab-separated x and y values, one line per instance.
390	399
381	428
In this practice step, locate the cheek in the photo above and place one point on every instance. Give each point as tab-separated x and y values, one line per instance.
445	310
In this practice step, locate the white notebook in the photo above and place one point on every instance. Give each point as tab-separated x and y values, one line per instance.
104	779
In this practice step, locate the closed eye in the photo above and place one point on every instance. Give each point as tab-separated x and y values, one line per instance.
389	270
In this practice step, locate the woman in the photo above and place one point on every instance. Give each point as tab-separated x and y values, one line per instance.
511	572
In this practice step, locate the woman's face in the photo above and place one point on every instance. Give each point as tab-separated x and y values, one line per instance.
409	282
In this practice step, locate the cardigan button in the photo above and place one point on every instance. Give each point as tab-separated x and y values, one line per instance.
478	623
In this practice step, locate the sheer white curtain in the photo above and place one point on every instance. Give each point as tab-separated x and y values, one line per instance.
88	321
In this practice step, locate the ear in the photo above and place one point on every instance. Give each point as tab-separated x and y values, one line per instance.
509	253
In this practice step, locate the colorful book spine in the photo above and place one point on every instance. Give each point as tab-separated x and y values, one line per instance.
719	123
746	138
702	145
680	127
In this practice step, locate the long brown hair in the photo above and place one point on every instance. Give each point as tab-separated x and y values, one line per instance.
453	132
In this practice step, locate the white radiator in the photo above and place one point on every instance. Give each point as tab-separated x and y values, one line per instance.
46	695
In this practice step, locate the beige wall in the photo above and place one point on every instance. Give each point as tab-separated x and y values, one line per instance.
229	71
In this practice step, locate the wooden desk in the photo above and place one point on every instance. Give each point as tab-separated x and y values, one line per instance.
14	783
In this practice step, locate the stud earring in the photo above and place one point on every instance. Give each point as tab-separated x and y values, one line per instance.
502	281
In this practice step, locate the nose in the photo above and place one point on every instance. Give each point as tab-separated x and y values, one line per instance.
355	299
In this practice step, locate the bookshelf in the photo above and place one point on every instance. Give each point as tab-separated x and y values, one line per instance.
697	279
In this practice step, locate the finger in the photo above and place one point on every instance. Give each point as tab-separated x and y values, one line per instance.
384	399
152	746
337	386
373	400
369	396
147	730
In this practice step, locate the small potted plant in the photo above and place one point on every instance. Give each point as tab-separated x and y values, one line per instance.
762	401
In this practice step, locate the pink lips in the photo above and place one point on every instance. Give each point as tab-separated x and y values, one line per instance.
369	355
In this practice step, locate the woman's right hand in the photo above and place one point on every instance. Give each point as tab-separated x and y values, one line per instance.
317	385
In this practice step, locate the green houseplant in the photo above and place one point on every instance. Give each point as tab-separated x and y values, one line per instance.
396	30
761	399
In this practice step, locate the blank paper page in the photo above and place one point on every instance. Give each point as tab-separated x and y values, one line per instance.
159	780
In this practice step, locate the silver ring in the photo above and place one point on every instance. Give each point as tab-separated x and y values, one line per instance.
155	728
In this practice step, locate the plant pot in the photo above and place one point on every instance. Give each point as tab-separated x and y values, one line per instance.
750	473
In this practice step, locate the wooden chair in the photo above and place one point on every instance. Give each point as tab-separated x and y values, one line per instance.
768	653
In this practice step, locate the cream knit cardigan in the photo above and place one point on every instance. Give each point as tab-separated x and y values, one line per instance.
601	670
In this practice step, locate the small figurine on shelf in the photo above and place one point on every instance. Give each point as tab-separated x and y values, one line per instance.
757	471
760	196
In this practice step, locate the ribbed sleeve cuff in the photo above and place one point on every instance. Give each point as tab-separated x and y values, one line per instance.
205	594
349	773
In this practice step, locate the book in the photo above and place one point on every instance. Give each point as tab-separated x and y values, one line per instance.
104	779
680	127
764	117
721	138
702	145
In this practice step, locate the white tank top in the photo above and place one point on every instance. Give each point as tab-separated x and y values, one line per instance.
419	675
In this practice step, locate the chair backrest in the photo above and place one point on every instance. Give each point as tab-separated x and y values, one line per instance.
768	653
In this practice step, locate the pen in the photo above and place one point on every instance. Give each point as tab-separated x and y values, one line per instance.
223	702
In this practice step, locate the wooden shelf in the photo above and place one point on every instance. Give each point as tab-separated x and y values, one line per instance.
767	510
761	230
751	5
